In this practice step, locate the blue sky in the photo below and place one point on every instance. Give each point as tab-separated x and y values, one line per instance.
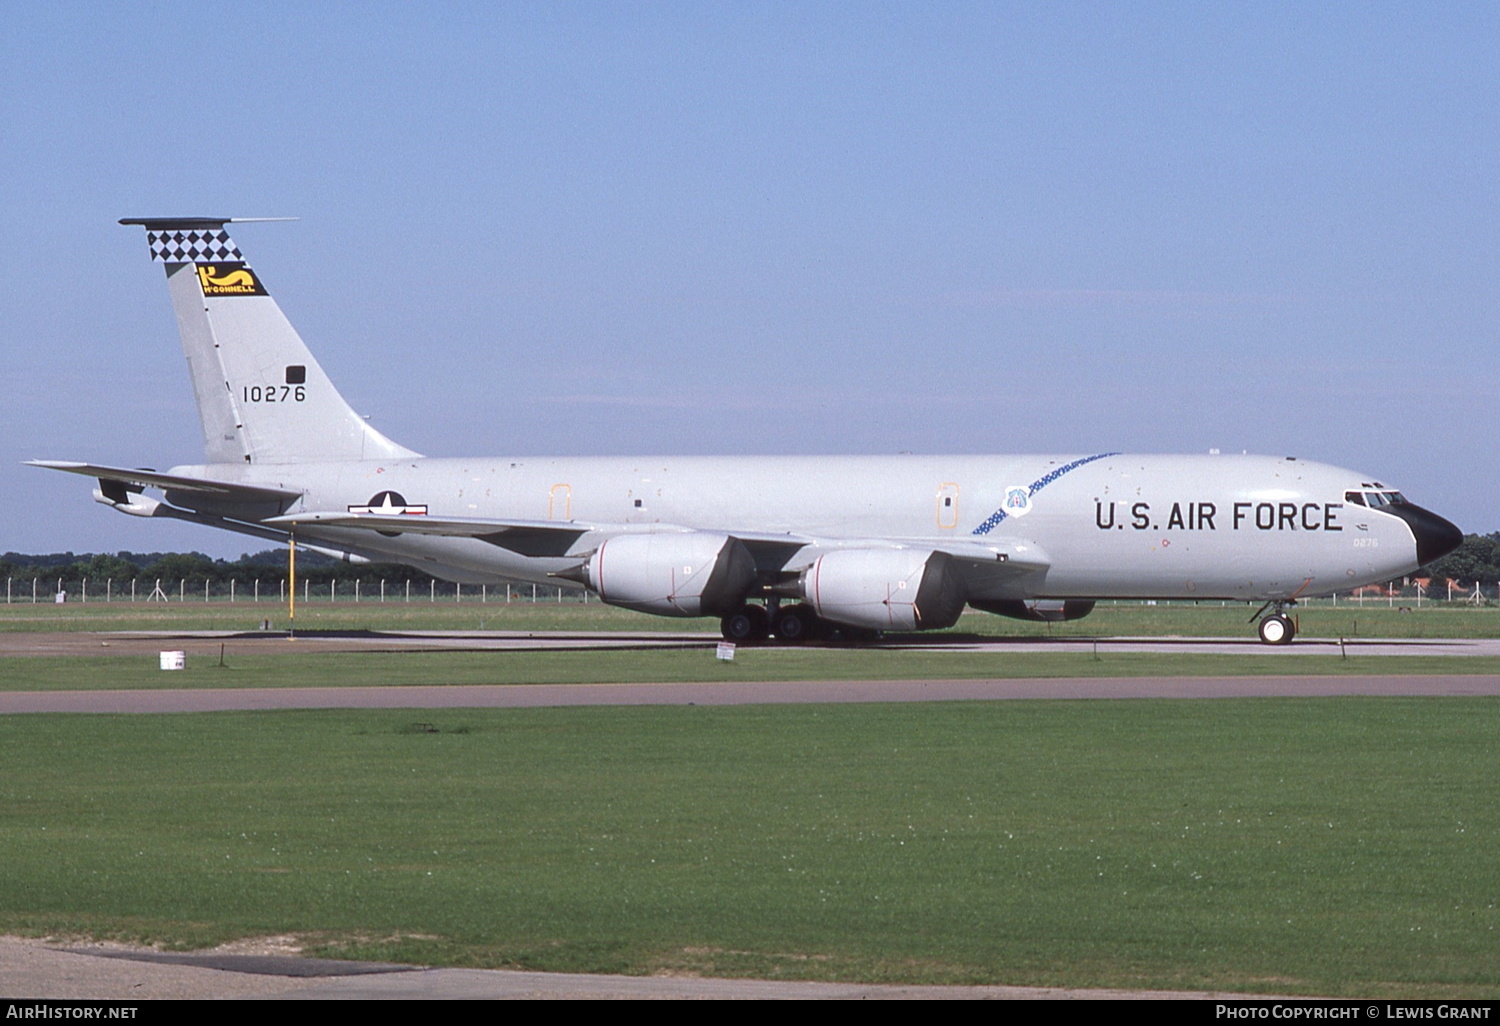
764	228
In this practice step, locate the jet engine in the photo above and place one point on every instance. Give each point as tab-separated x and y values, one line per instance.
1051	610
885	589
688	574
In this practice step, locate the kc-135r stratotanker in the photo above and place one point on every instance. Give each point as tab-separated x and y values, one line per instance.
794	546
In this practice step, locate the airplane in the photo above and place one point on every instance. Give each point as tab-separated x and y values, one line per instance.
790	547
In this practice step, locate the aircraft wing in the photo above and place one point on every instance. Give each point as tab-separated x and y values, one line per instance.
990	565
481	527
983	563
135	480
452	527
988	560
527	537
1013	552
530	537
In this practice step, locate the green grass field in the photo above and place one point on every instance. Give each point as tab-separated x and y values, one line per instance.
1321	846
1210	619
1314	846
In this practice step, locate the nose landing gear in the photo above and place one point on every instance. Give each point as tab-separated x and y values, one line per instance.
1278	628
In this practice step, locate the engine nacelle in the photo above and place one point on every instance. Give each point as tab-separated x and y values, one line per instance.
134	503
686	574
1050	610
885	589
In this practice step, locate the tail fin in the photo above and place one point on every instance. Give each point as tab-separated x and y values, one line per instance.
261	396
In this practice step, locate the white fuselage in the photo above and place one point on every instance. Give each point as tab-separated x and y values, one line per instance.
1106	526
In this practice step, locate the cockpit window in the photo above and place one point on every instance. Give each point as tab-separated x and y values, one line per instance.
1375	500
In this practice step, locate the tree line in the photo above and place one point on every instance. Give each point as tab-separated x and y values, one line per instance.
1477	559
268	566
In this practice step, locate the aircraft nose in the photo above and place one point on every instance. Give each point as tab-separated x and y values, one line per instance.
1435	536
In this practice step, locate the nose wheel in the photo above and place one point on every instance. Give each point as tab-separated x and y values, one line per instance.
1278	629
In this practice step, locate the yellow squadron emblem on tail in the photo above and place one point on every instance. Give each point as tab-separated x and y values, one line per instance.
236	280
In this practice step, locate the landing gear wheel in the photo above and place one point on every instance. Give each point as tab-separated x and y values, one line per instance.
1277	630
747	623
796	624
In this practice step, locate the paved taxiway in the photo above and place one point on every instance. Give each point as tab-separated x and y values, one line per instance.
39	969
206	644
22	643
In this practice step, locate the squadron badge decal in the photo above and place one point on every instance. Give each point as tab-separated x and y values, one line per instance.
229	280
1017	501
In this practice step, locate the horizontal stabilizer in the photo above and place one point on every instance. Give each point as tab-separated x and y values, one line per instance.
136	480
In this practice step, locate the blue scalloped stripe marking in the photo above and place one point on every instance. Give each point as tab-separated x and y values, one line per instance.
1042	482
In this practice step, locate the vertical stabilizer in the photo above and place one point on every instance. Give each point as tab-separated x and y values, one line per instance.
261	396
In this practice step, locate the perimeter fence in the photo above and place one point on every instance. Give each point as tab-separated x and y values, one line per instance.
59	590
37	590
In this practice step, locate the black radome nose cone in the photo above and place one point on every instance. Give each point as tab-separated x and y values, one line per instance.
1435	536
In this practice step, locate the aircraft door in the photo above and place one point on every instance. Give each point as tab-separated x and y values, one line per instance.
560	502
947	505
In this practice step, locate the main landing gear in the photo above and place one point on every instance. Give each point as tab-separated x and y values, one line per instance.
747	623
1278	628
796	624
790	625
